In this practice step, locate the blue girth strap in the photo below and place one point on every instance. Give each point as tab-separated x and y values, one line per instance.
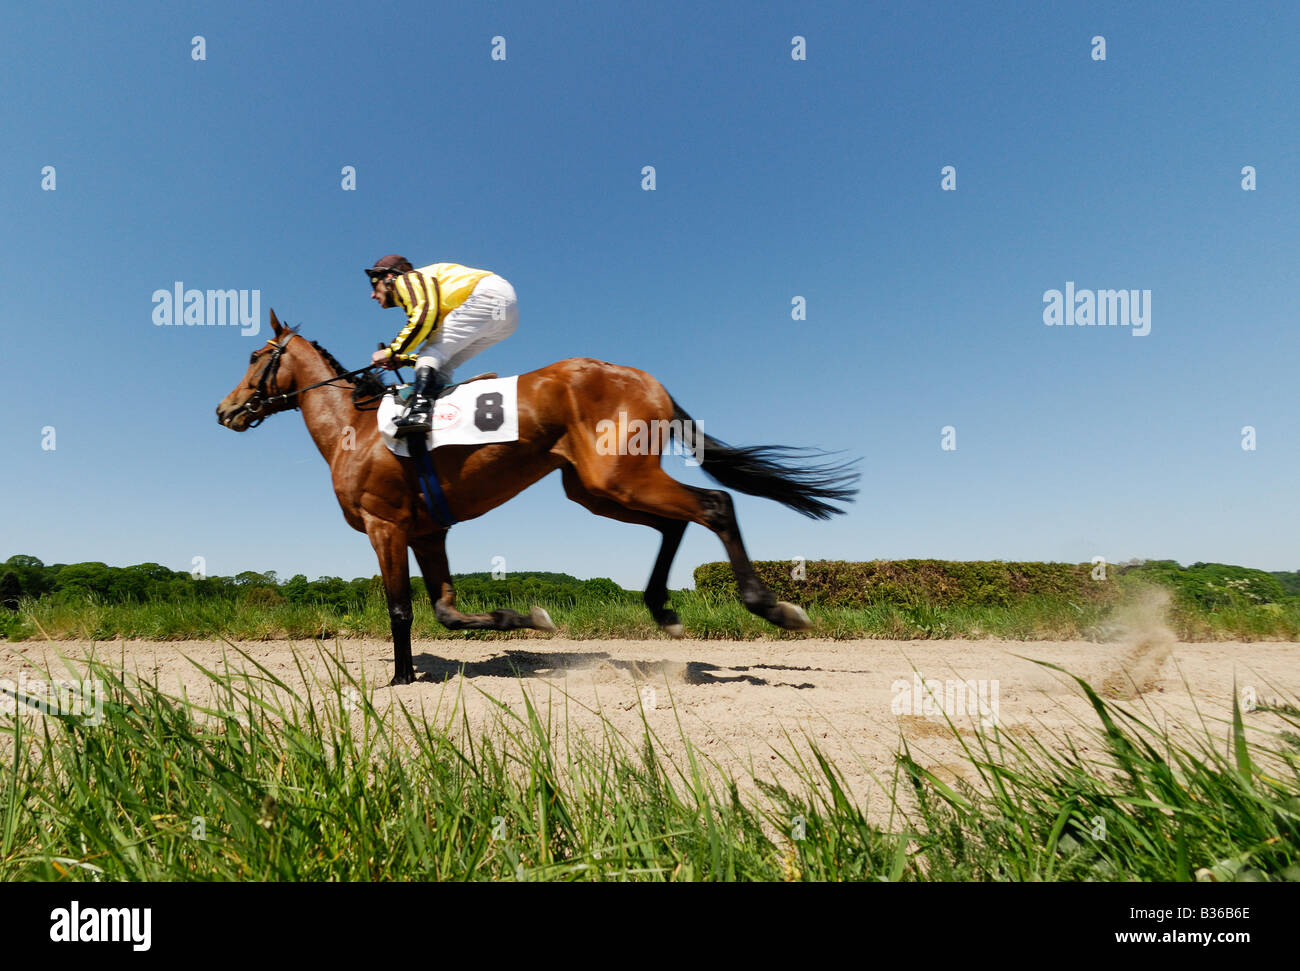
432	489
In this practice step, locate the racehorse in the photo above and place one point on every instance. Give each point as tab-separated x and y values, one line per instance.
560	408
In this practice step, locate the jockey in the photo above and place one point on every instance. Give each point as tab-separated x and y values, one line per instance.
452	313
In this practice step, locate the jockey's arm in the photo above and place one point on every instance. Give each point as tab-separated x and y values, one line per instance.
413	295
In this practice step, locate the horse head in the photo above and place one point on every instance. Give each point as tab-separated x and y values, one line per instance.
267	385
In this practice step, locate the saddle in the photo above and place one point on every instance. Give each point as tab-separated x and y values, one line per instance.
403	391
486	375
430	489
474	412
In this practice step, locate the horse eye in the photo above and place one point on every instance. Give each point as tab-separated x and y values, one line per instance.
252	358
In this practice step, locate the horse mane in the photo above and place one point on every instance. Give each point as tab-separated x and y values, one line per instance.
369	383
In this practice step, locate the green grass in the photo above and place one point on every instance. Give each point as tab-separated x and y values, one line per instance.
1039	617
319	785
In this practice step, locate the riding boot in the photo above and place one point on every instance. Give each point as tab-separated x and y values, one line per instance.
418	419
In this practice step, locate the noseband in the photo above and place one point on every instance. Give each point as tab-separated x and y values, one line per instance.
267	398
261	399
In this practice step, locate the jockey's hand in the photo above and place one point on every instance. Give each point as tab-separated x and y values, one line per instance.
384	359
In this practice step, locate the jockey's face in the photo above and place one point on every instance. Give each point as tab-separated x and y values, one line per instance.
383	290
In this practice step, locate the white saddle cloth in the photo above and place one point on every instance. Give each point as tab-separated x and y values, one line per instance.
476	413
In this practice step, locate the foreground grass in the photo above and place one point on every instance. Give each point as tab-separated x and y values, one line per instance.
1035	618
272	784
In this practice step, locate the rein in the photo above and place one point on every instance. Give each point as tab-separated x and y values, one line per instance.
274	399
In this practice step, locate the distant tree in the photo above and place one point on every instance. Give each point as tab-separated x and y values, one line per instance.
264	597
208	588
1290	581
35	577
1215	586
11	589
296	589
179	588
602	588
155	572
82	578
333	592
373	588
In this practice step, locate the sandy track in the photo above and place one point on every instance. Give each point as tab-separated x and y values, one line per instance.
737	700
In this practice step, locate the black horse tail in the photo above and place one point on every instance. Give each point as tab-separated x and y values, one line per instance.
762	470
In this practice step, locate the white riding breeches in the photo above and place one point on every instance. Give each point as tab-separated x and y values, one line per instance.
489	315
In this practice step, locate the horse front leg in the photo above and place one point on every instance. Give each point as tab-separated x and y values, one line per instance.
389	542
432	557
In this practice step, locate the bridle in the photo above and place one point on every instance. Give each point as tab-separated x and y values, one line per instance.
267	398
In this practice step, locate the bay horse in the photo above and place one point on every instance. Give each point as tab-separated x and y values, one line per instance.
560	407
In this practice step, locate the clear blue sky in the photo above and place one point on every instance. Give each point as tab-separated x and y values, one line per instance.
776	178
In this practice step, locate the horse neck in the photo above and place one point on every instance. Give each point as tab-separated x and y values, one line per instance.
327	410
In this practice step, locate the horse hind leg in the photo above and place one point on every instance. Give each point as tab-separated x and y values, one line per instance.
656	590
432	557
638	484
718	512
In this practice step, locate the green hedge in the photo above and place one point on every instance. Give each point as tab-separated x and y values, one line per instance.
917	583
1219	586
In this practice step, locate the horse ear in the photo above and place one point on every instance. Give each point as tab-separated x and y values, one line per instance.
276	326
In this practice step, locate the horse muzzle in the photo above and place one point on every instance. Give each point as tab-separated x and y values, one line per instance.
241	418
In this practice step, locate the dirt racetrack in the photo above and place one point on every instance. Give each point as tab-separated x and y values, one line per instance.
737	700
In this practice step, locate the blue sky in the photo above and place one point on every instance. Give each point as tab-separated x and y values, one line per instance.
776	178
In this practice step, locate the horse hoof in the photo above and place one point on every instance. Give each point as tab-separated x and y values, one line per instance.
674	631
401	679
540	619
791	617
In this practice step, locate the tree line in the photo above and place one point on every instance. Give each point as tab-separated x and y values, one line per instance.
26	576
